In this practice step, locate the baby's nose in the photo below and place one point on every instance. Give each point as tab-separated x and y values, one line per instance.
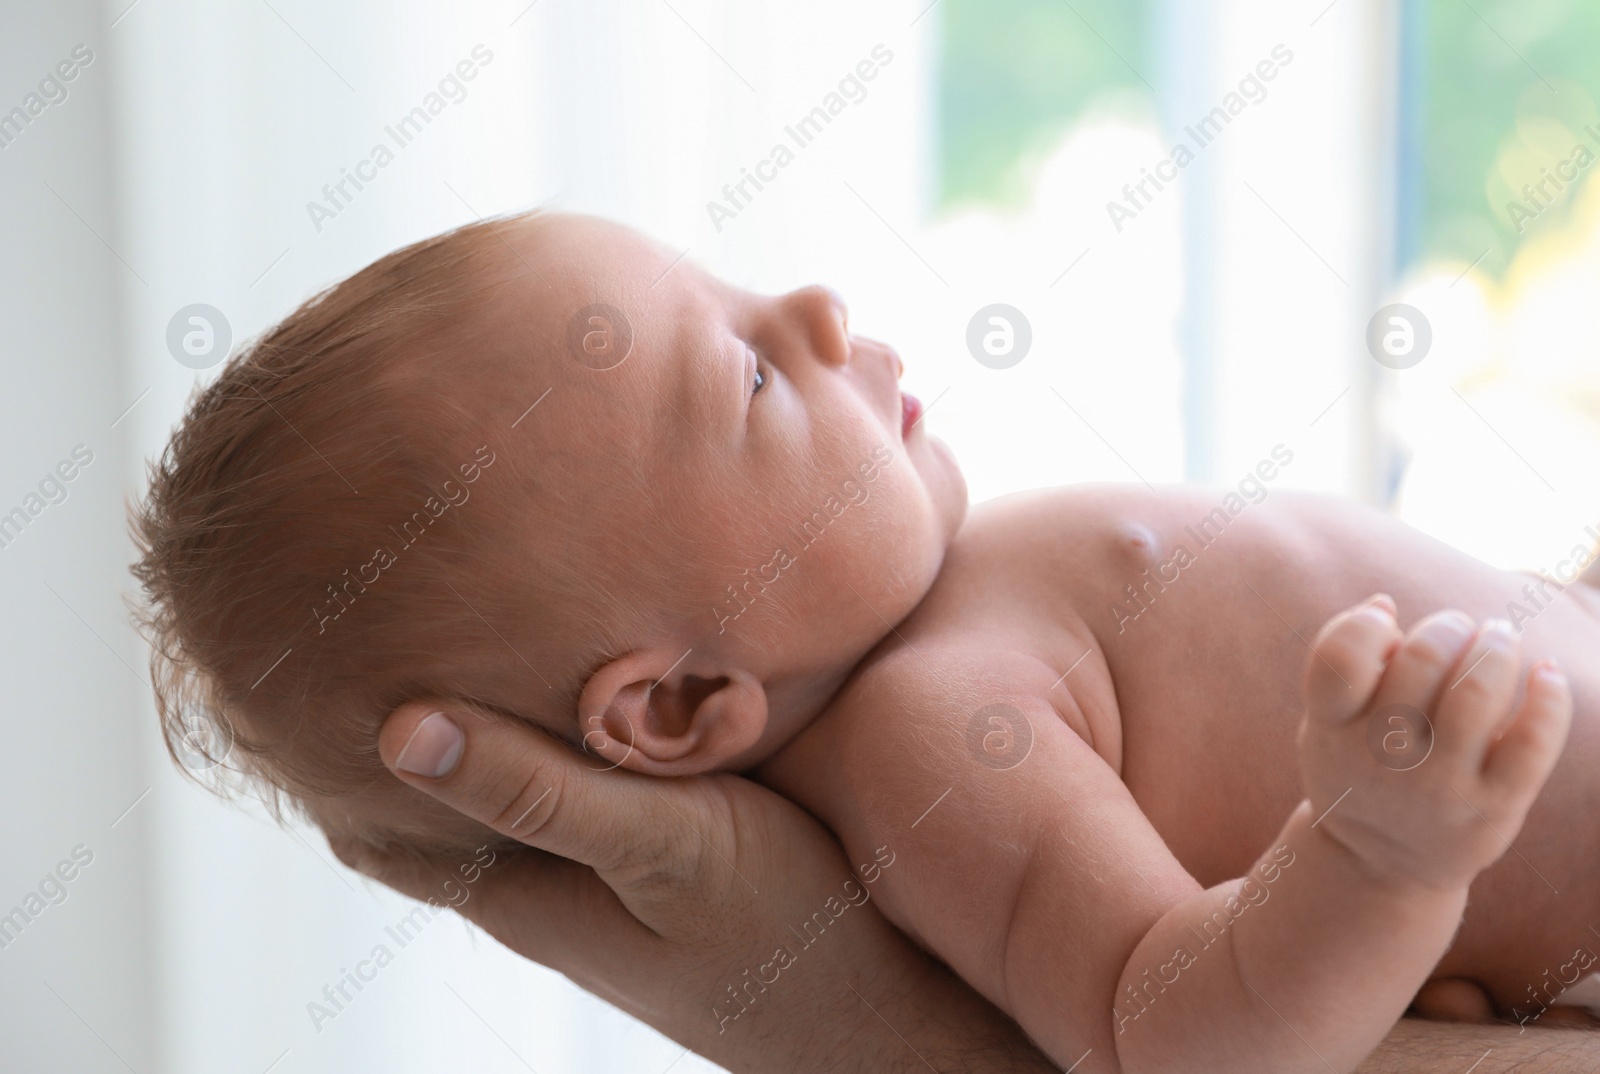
823	312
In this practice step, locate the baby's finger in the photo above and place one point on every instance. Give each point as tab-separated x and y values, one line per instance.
1477	698
1347	661
1421	669
524	784
1527	752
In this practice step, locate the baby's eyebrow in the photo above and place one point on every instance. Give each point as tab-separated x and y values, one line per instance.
724	377
739	385
672	386
711	395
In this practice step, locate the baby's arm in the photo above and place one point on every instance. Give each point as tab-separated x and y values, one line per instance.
1045	886
1306	963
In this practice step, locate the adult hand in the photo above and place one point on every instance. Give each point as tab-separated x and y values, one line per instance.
672	898
667	891
1418	1047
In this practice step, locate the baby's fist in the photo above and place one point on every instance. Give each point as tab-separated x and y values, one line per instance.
1415	755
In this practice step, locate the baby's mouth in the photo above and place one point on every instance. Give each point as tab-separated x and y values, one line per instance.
910	413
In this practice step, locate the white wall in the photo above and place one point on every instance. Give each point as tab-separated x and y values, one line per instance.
187	153
191	145
74	986
230	119
1288	235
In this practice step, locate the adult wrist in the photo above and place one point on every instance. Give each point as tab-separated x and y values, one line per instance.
874	1003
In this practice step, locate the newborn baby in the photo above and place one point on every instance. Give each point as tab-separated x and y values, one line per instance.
1128	789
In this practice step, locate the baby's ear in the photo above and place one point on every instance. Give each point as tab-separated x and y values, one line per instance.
643	712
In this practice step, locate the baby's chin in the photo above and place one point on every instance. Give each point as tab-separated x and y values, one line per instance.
941	475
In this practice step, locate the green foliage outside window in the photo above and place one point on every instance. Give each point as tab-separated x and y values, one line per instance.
1505	101
1017	73
1508	93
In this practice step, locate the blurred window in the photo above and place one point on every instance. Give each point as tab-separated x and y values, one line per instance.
1045	112
1499	426
1019	73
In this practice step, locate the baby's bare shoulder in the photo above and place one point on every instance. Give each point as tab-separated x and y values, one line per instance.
1035	558
1018	621
938	688
1095	517
955	665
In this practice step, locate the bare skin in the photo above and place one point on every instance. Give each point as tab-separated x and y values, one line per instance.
1164	757
658	940
1194	706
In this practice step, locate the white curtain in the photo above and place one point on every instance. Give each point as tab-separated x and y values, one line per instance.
182	169
188	164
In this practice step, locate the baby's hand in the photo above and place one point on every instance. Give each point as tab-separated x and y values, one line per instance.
1413	756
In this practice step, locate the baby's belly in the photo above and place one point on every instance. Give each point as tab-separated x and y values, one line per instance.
1219	782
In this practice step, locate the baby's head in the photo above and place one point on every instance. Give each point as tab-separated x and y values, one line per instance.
541	466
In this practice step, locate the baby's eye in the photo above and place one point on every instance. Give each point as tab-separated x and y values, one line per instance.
759	378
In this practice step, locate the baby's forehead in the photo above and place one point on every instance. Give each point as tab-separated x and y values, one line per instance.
615	384
579	260
603	318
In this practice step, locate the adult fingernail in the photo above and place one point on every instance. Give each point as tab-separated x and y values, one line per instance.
433	749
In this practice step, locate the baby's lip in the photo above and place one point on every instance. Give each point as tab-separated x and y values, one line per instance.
910	405
910	413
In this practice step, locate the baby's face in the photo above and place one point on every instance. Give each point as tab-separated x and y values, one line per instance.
736	470
788	506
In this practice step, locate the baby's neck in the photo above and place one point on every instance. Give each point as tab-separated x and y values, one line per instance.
794	703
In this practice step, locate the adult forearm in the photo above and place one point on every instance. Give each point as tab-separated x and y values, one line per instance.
1418	1047
946	1025
863	998
630	889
